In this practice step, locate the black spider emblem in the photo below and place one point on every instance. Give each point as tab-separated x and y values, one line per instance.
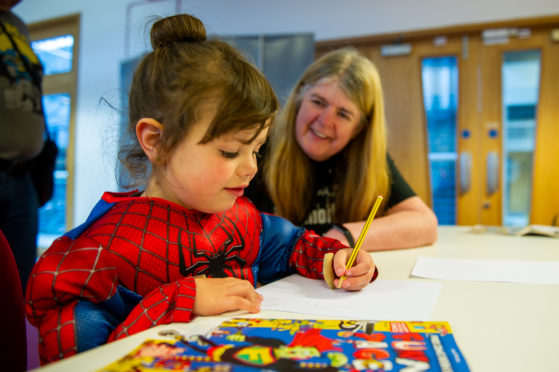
215	265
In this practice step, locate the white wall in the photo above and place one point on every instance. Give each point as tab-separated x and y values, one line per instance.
115	30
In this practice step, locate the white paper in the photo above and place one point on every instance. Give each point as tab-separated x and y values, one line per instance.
534	272
380	300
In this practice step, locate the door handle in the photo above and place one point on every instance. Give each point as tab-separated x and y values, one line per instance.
492	177
465	171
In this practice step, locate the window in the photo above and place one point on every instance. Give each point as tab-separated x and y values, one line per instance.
55	53
54	42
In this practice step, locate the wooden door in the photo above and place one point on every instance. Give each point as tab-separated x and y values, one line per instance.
541	197
545	185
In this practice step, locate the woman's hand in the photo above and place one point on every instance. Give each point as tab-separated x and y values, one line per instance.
335	233
218	295
359	275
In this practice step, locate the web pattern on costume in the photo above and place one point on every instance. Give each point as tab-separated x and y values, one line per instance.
158	242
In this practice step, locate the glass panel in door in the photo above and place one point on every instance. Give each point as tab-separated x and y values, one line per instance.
520	87
440	98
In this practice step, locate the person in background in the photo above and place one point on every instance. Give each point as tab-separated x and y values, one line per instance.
326	160
189	244
21	138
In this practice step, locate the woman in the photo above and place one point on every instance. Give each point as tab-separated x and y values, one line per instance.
326	160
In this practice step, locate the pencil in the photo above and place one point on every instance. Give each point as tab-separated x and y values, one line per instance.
361	238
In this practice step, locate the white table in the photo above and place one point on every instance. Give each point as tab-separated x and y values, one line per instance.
498	326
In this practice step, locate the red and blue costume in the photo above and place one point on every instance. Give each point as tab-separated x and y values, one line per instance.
131	266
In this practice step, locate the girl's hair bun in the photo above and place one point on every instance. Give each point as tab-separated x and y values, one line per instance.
178	28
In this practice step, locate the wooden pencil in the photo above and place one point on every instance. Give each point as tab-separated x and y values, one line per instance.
361	238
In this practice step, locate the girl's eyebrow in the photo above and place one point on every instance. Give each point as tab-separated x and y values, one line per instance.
245	138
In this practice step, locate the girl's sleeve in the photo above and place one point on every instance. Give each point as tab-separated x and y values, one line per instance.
287	249
74	300
170	303
68	273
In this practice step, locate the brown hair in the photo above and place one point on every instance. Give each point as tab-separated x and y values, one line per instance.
288	172
183	71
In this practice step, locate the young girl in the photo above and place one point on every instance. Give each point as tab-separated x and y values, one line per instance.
190	243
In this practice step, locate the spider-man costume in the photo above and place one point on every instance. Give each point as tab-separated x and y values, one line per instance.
131	265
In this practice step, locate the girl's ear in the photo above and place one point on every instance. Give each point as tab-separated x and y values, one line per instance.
149	132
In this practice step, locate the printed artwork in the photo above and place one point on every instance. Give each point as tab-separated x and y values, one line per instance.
301	345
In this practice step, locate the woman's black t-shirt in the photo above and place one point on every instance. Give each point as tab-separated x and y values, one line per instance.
320	216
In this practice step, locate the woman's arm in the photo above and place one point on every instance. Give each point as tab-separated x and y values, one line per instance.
410	223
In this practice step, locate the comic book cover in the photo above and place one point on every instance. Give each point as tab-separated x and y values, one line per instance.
244	344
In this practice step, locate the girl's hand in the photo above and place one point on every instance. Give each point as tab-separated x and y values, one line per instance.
218	295
359	275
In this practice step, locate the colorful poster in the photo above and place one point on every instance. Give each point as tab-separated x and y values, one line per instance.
244	344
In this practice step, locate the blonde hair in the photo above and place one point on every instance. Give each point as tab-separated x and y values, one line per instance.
183	71
287	171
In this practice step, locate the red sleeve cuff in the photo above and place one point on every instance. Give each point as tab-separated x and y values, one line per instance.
375	275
